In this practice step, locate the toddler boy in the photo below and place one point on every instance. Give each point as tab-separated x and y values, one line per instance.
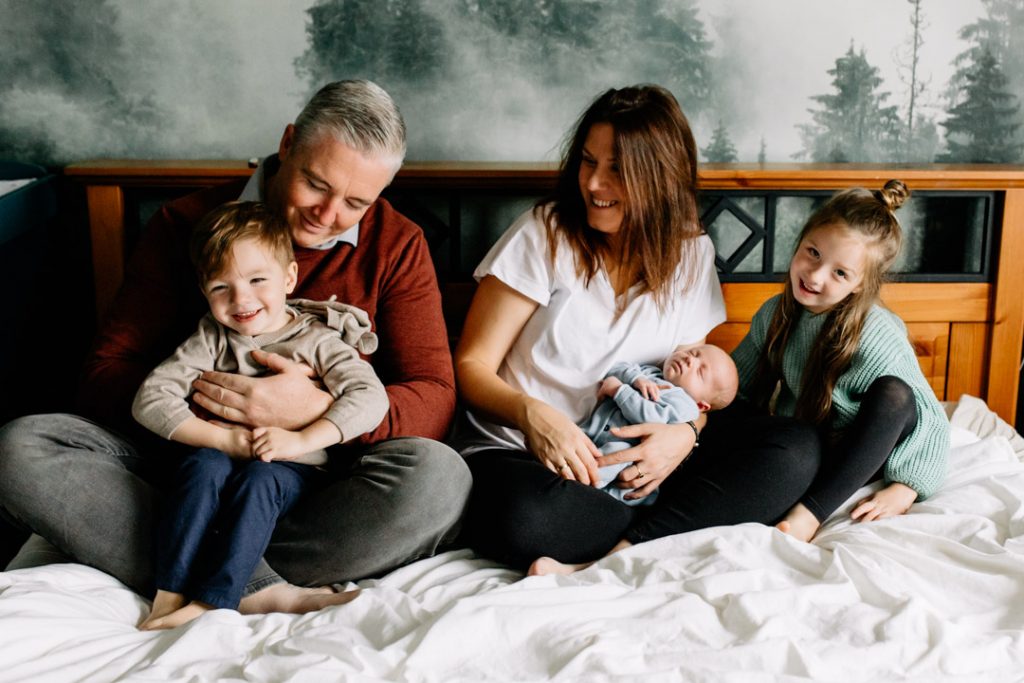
241	480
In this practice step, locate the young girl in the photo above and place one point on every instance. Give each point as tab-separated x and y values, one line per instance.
840	360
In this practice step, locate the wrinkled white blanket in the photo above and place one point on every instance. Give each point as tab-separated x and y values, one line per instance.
935	595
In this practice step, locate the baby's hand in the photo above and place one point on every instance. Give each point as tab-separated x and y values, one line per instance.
274	443
894	499
648	388
608	387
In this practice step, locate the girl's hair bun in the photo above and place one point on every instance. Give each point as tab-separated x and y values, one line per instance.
893	195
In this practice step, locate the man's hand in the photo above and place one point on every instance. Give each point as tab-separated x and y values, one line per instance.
287	399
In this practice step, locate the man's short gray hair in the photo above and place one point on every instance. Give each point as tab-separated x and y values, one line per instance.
357	112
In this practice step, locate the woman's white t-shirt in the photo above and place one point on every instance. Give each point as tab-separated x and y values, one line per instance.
573	338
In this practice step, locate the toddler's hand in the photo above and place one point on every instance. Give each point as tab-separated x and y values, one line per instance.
608	387
274	443
239	443
894	499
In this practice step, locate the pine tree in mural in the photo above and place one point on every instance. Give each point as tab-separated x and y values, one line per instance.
563	42
414	39
549	39
853	123
1001	32
393	42
762	153
721	149
983	127
681	51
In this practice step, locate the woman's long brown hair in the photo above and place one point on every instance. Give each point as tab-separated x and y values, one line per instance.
869	214
657	156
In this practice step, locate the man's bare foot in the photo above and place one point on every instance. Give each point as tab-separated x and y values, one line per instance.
164	603
192	610
800	523
284	597
546	565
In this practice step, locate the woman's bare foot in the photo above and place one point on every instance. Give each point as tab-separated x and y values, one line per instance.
547	565
284	597
543	566
800	523
192	610
164	603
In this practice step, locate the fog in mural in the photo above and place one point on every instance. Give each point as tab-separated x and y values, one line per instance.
814	80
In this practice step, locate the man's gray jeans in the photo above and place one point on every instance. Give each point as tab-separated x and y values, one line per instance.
80	487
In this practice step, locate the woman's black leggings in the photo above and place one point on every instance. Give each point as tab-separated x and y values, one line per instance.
749	468
887	415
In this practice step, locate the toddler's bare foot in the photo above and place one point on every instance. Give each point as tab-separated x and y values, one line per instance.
164	603
284	597
191	611
546	565
800	523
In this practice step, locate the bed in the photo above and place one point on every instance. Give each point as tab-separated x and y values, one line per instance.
934	595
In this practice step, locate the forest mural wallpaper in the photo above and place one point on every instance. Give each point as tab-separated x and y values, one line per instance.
781	80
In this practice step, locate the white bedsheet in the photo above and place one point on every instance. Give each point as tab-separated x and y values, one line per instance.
935	595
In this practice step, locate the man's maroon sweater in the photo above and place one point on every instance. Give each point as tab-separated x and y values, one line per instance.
389	274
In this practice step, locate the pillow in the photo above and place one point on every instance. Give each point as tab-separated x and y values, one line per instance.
973	414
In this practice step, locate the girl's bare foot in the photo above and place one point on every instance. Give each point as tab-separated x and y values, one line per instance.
284	597
547	565
800	523
164	603
191	611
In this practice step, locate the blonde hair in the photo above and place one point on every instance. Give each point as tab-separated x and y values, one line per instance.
870	215
658	157
219	230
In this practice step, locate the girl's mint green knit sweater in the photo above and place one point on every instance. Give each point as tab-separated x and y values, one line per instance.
919	461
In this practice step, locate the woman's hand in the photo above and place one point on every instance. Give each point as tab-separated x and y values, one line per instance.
893	500
558	444
661	450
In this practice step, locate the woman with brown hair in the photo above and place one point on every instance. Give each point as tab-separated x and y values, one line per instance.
614	267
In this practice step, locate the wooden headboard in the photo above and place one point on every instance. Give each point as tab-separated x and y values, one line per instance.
967	335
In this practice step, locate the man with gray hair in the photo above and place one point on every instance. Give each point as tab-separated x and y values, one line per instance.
397	494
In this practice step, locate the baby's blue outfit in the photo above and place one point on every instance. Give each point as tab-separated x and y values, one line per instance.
629	407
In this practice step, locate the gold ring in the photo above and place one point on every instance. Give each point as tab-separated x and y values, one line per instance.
639	474
564	466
